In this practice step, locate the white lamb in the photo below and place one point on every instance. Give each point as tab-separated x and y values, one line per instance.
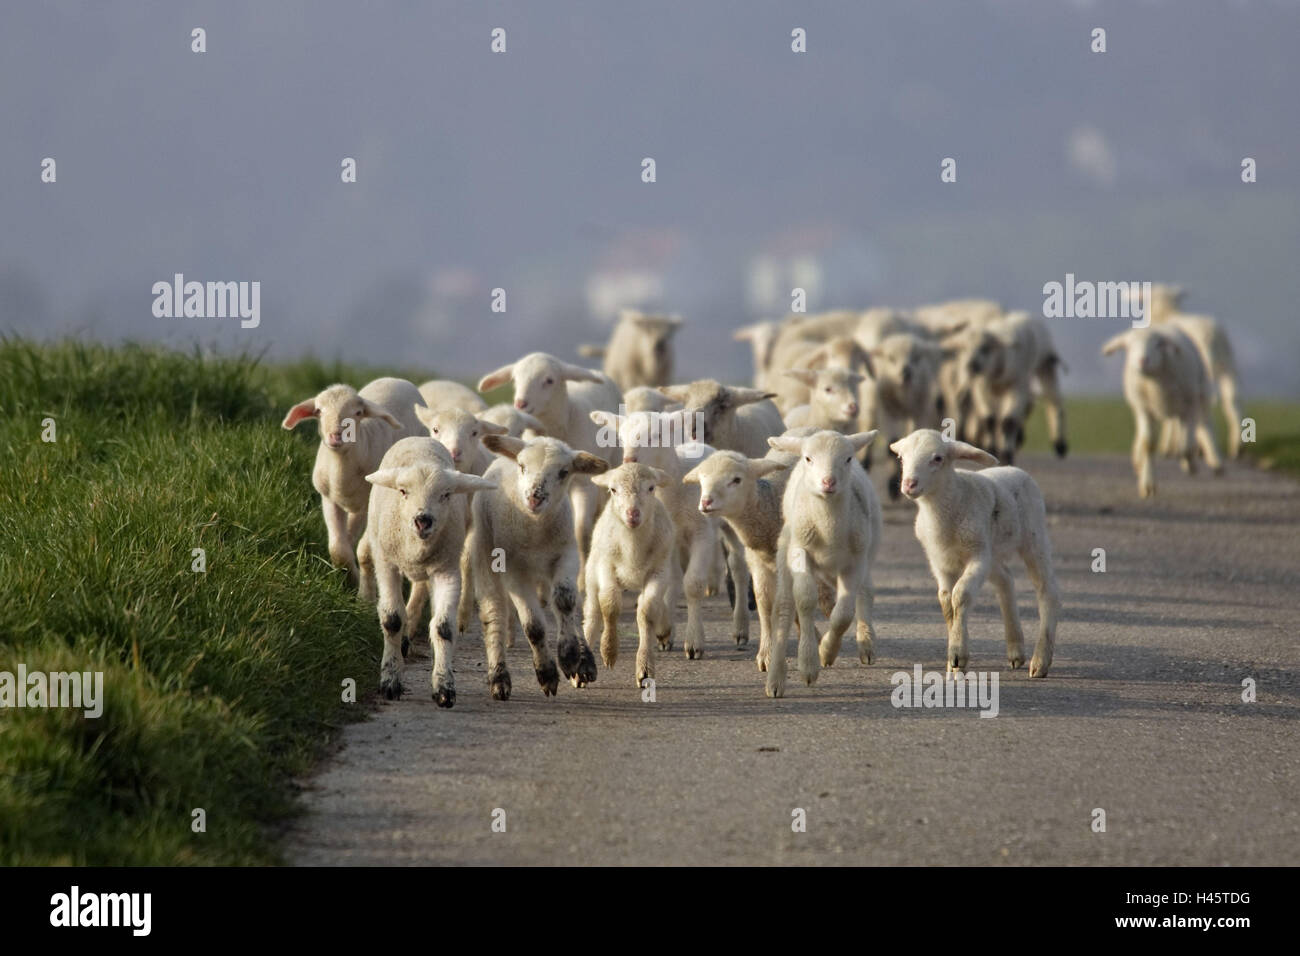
970	525
462	435
562	397
356	429
440	393
516	423
905	392
632	549
640	350
524	554
832	398
832	528
1165	379
417	531
739	419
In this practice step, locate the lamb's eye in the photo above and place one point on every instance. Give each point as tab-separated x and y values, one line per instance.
828	391
550	381
807	459
435	431
650	489
736	480
937	459
402	492
564	473
446	495
473	434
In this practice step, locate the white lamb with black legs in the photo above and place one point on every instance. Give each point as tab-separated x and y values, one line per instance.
416	530
632	549
832	530
523	551
1165	379
356	429
971	524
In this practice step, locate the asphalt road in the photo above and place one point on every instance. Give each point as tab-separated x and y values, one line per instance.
1141	716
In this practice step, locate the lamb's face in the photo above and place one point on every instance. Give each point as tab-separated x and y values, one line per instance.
724	479
631	491
827	459
424	497
705	402
640	430
902	362
836	392
654	339
539	383
924	454
335	408
459	432
546	467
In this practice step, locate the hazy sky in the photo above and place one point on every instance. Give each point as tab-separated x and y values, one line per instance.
522	170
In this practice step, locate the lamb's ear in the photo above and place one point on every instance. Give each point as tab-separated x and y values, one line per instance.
1114	345
660	477
388	477
531	422
378	411
602	480
576	373
862	439
758	467
692	477
468	484
678	393
896	448
424	413
805	375
585	463
300	412
491	428
496	379
961	450
504	445
786	443
607	419
746	396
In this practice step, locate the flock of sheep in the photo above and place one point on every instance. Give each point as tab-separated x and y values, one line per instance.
542	514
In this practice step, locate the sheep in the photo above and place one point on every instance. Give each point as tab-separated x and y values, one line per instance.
640	350
970	525
1216	352
441	393
633	548
461	433
416	530
833	398
739	419
356	429
1165	379
905	386
524	553
832	528
840	350
762	338
1005	358
516	423
562	396
656	439
646	399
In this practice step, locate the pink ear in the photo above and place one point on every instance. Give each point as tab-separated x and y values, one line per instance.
300	411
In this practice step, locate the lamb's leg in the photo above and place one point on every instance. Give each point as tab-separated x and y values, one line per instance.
695	582
577	661
585	504
366	589
841	617
1187	444
1050	384
1143	446
465	607
740	575
784	613
534	619
963	595
866	599
1205	438
1000	578
764	592
805	600
415	605
446	598
494	612
1039	566
340	542
1231	413
392	619
651	620
1170	441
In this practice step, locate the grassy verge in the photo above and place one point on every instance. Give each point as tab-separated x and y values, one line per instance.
218	685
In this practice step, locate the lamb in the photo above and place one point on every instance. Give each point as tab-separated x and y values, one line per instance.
523	552
970	525
833	398
516	423
417	530
356	429
739	419
832	528
461	433
1005	358
562	397
656	439
762	338
1165	379
646	399
640	350
1216	351
903	398
439	393
633	548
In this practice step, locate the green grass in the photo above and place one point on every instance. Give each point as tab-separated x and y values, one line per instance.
219	685
1102	425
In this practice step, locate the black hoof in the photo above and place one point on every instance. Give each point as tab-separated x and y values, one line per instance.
1061	448
391	688
445	696
406	646
586	667
499	683
570	653
549	679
